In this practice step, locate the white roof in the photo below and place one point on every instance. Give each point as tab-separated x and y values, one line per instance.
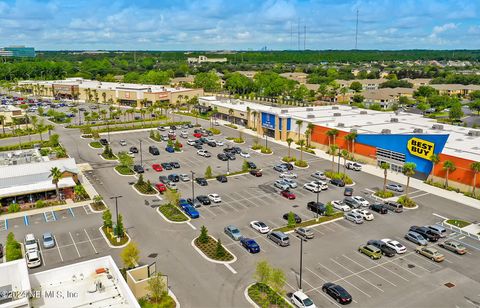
14	277
42	186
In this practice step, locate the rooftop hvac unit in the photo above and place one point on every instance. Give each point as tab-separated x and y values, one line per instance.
437	126
337	114
353	130
310	116
334	107
310	109
394	120
475	133
341	124
418	131
386	131
363	112
284	111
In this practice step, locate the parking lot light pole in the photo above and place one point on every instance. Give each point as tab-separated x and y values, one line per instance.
338	165
141	156
116	205
265	140
318	194
301	261
193	186
228	166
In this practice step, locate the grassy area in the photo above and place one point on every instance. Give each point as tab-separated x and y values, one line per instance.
96	145
311	222
215	131
231	126
146	189
306	150
157	121
384	194
173	213
166	302
458	223
124	170
266	150
25	145
265	297
406	202
112	239
210	248
301	163
341	176
288	159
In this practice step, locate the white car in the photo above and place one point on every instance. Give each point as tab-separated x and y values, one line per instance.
215	198
219	143
244	154
339	205
362	201
364	213
322	184
291	183
319	175
33	259
301	300
280	184
288	175
259	226
190	142
184	177
30	242
312	187
354	166
171	185
204	153
399	248
123	142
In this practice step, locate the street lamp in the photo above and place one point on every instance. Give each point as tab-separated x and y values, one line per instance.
318	194
193	186
228	166
141	155
301	260
108	130
116	205
338	165
265	140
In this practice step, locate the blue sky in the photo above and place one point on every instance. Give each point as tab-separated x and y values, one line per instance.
239	24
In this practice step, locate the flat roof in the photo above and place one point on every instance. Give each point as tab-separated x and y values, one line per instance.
14	277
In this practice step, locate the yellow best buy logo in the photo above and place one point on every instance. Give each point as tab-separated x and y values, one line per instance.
421	148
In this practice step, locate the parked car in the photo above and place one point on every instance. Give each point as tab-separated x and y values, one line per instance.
322	184
426	233
215	198
191	211
30	242
430	253
33	258
316	207
222	179
290	182
256	172
371	251
353	166
163	179
280	168
312	187
190	142
219	143
364	213
348	191
337	292
399	248
133	150
48	240
354	217
259	226
393	206
204	153
157	167
337	182
305	232
279	238
288	194
301	300
175	164
280	184
1	250
379	208
169	149
395	187
454	246
319	175
138	169
160	187
289	166
339	205
244	154
233	232
416	238
354	204
103	141
297	218
166	166
231	156
213	144
171	185
288	175
153	150
250	245
386	251
173	178
437	229
204	200
123	142
222	157
362	201
201	181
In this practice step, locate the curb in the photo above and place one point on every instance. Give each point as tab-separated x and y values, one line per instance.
173	222
108	242
94	211
108	159
260	152
151	195
247	297
122	174
93	147
211	260
346	185
308	166
172	295
155	140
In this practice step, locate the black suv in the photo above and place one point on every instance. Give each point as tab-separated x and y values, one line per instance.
231	156
222	157
163	179
175	164
212	144
236	150
315	207
201	181
166	166
222	179
426	233
337	182
173	177
204	200
379	208
153	150
251	165
297	218
386	251
103	141
133	149
138	169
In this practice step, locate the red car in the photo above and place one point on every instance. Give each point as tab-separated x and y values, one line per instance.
287	194
256	172
157	167
160	187
197	135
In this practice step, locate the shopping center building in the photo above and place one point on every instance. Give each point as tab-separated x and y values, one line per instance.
390	137
123	94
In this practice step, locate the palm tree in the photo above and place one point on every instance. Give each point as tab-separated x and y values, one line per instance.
15	121
301	143
299	125
343	90
409	171
104	97
344	154
475	166
2	120
333	151
254	119
435	160
289	142
50	127
385	166
349	138
448	166
56	175
230	113
310	128
332	133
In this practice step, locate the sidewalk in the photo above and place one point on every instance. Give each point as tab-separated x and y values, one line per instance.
392	176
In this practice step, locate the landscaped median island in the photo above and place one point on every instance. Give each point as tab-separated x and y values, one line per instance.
458	223
264	296
123	170
339	176
269	288
172	213
115	235
215	131
144	187
108	153
310	222
212	248
96	145
406	202
384	194
231	126
98	204
263	149
13	249
301	163
125	164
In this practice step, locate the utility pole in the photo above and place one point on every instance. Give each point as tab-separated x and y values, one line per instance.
356	32
141	155
116	206
338	165
193	186
301	261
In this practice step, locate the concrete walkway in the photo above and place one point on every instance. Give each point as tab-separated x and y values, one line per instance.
392	176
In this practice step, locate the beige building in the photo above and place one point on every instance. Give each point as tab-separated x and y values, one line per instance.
385	97
367	84
11	112
299	77
124	94
249	74
203	59
455	89
418	82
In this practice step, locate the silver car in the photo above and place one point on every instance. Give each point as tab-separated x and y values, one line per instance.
395	187
233	232
291	183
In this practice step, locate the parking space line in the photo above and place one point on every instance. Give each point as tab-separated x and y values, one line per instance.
315	274
344	279
385	268
96	252
209	211
414	254
25	220
314	289
191	226
428	260
369	270
230	268
41	253
357	275
421	195
59	252
73	241
71	211
3	224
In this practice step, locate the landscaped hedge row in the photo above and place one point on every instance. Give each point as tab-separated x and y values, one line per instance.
264	296
172	212
339	176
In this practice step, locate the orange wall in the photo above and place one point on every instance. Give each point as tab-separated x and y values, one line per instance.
462	174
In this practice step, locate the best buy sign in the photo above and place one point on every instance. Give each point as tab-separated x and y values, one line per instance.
421	148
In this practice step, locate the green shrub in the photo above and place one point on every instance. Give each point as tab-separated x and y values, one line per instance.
238	140
384	194
458	223
301	163
14	208
406	202
256	146
204	238
289	159
265	150
231	126
13	250
96	145
215	131
208	172
340	176
329	210
40	204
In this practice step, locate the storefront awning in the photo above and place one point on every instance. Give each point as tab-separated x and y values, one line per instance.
35	188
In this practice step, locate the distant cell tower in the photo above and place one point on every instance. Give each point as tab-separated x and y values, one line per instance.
356	32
